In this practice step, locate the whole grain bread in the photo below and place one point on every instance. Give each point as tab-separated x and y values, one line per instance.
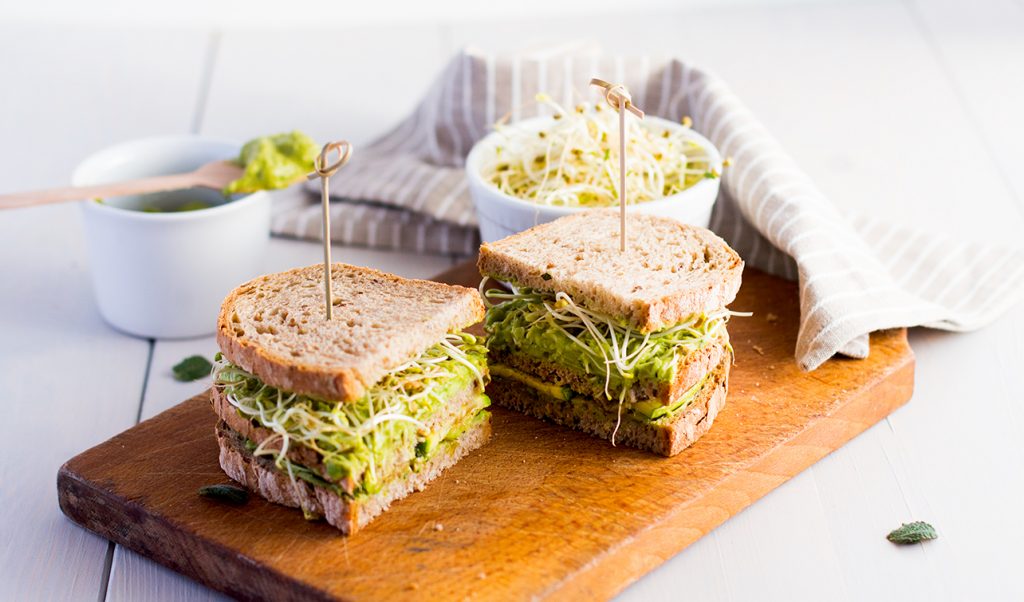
459	406
669	271
667	438
690	369
275	327
261	476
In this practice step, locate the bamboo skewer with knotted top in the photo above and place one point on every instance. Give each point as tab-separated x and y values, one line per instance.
324	171
619	99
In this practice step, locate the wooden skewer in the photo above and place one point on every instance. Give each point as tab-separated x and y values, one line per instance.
324	171
215	175
618	97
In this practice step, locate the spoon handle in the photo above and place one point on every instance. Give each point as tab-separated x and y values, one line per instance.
114	189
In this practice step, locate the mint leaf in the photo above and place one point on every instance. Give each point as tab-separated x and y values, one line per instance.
192	368
230	494
914	532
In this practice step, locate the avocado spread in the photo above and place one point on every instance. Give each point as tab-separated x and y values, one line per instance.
585	407
536	324
426	450
383	433
273	162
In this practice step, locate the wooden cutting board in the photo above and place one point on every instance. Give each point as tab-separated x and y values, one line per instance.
539	512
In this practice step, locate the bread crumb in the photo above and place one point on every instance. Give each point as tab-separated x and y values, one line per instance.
759	349
481	575
753	398
771	366
770	317
438	527
412	586
757	384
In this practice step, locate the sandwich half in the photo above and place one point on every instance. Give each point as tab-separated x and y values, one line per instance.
628	346
342	417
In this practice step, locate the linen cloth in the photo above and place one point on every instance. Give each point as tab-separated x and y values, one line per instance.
856	275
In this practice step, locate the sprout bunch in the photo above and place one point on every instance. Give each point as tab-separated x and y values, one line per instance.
616	348
574	161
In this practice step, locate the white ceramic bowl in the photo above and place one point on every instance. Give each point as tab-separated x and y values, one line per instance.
501	215
165	274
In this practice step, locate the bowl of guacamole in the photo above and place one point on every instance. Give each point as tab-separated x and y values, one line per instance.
162	263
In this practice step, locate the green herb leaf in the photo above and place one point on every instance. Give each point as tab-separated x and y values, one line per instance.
192	368
914	532
230	494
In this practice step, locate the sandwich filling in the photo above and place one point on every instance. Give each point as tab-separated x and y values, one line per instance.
360	445
550	327
642	411
608	353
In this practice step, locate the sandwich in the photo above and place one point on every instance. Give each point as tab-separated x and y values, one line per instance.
627	346
342	417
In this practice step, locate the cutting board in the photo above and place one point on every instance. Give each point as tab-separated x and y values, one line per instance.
539	512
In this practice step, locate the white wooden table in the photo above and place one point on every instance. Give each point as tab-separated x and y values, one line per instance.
911	109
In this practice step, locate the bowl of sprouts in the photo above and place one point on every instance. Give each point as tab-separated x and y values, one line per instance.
539	169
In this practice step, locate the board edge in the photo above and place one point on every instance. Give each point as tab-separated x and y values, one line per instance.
619	567
75	495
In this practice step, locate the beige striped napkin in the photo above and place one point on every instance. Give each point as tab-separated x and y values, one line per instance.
856	274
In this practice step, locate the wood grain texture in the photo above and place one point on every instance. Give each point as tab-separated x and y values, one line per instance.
579	518
355	99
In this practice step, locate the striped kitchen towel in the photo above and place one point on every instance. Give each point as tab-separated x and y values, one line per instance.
856	274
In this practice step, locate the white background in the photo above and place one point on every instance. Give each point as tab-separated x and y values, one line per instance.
321	13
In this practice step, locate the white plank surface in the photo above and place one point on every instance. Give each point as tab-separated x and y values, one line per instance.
983	58
347	84
71	381
909	110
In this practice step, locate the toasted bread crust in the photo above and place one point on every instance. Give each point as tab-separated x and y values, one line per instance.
670	270
667	439
346	514
275	327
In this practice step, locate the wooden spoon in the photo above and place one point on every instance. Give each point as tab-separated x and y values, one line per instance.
216	175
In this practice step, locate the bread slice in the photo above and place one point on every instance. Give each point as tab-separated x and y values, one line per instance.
275	327
260	475
667	437
458	406
690	369
669	271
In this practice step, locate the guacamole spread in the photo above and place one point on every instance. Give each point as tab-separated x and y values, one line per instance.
378	437
273	162
544	327
587	408
398	470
